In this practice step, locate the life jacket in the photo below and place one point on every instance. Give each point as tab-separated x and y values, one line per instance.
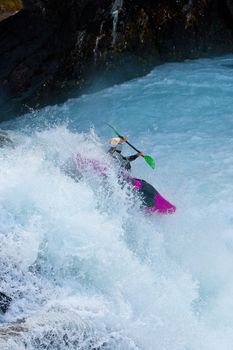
122	161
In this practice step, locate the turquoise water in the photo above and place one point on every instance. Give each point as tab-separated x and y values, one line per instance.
85	267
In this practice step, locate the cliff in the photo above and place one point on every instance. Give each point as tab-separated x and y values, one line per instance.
51	50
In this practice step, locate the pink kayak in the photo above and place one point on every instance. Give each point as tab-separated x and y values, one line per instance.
151	199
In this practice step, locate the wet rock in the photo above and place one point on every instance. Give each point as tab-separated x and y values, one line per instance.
53	50
5	302
229	4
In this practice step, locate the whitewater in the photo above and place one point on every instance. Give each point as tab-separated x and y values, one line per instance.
85	267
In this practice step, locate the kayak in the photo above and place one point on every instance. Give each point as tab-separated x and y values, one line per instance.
152	200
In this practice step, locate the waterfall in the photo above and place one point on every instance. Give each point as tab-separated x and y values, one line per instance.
96	48
116	7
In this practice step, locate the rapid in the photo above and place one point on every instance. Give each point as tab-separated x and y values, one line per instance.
85	267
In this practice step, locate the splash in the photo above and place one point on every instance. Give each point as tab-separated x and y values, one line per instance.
86	269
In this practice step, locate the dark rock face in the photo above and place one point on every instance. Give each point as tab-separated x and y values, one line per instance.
5	302
51	50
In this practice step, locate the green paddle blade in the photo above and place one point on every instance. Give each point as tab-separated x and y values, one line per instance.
150	161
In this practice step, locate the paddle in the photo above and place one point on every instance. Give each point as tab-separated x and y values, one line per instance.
150	161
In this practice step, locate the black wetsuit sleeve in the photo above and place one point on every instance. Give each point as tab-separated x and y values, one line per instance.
132	158
111	150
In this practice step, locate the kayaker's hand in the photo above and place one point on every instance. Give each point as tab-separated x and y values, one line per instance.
139	154
123	139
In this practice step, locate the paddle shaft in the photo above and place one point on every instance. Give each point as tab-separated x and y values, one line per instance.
128	143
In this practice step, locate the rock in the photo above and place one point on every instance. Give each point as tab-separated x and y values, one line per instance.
53	50
5	302
229	4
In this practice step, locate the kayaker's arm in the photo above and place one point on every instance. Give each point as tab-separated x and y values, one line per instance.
133	157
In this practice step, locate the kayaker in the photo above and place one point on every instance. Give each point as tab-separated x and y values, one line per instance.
115	151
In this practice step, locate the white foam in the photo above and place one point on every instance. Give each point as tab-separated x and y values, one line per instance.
75	256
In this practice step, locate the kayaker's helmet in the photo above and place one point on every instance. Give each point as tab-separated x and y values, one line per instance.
115	142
